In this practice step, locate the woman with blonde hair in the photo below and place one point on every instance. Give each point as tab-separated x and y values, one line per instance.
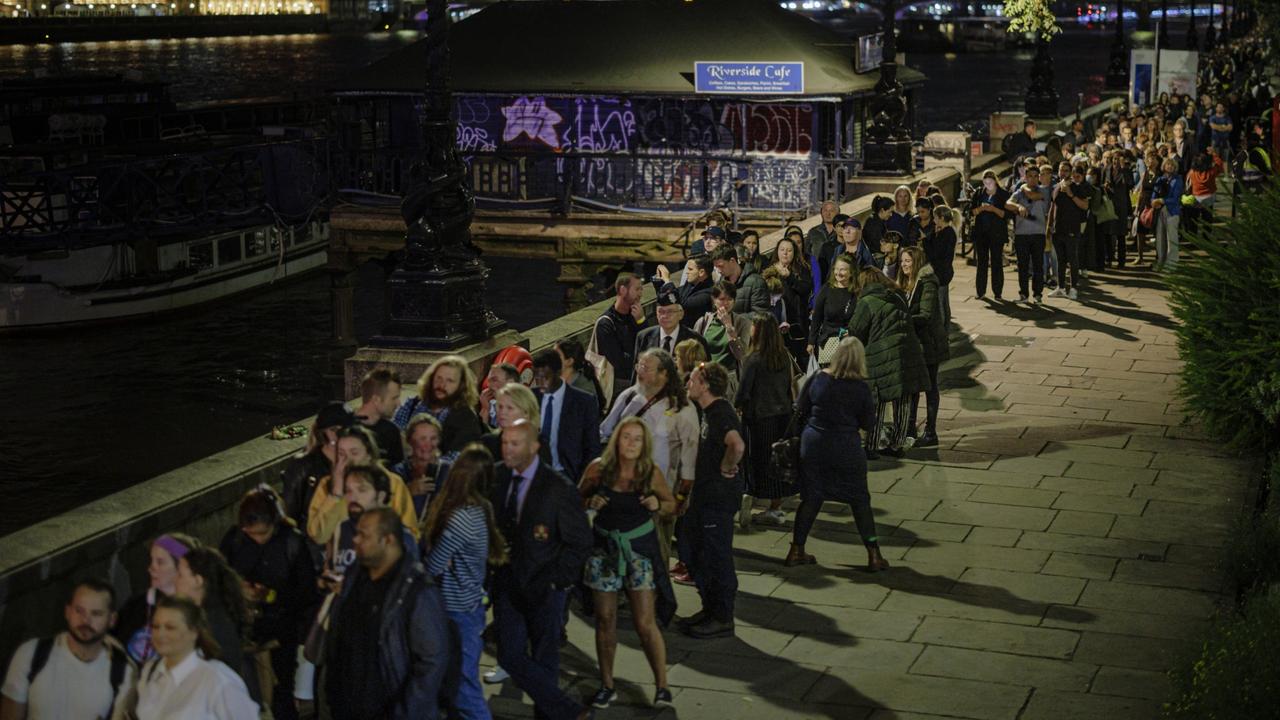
940	250
462	534
903	210
515	402
917	279
625	489
833	406
447	390
688	354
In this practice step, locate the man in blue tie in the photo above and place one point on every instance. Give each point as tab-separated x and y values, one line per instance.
541	517
570	417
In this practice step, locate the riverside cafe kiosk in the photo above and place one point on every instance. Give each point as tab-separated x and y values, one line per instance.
637	105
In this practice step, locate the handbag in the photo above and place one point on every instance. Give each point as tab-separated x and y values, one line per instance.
1147	218
827	352
784	454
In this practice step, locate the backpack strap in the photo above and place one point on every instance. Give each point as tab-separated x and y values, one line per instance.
120	664
39	658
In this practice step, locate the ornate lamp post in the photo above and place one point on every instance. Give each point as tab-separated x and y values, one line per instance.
887	148
1036	16
1193	38
1118	67
437	294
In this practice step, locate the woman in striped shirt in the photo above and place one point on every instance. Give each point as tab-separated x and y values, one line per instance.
461	535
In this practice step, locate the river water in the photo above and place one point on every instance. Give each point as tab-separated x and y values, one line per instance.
92	411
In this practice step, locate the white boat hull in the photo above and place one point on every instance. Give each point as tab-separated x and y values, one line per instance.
40	304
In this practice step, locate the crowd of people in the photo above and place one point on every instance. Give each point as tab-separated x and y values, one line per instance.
410	533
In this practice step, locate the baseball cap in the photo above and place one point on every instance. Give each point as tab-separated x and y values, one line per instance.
714	231
334	414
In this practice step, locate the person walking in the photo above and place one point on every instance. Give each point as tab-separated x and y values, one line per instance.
461	534
920	283
540	514
626	491
833	407
895	363
764	399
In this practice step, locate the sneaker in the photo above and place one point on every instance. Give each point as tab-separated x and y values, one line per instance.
1058	293
1022	299
999	299
981	296
771	517
693	619
1037	300
603	697
495	676
1072	293
662	698
744	511
892	452
929	439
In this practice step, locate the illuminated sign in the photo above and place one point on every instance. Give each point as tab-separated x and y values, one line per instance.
749	78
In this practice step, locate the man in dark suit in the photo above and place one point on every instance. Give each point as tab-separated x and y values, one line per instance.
670	330
540	514
570	417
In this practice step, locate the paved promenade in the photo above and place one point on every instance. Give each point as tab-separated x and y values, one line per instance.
1050	558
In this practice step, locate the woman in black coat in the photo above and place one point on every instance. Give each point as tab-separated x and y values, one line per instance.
833	406
833	308
797	290
940	250
920	283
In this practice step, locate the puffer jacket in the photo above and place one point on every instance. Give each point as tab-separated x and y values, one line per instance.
895	363
927	318
753	293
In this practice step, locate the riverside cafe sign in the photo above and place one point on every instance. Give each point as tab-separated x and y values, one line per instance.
749	78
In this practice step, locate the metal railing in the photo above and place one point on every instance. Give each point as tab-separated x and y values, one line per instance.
189	192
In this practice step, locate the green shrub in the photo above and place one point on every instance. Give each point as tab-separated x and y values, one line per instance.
1251	559
1235	676
1228	302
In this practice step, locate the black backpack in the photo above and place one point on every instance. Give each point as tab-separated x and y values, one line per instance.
120	663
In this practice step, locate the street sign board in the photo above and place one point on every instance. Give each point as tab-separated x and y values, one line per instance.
749	78
870	53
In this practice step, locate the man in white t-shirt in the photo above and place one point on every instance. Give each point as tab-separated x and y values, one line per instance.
74	674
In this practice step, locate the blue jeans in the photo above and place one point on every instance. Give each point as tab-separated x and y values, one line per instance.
470	700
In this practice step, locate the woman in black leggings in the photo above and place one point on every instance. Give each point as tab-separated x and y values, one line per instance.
834	405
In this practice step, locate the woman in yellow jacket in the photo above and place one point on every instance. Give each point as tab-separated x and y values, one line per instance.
328	507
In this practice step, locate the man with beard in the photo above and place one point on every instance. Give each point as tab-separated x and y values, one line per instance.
447	390
365	487
388	647
74	674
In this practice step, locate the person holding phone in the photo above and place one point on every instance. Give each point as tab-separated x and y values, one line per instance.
990	231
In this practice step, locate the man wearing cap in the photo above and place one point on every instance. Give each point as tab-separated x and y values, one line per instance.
823	235
670	329
753	293
712	238
990	232
851	237
300	476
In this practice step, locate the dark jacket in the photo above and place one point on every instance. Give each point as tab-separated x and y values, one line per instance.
940	248
616	340
918	234
549	545
651	337
927	318
696	301
895	364
763	392
832	311
460	427
284	564
299	480
753	293
413	643
579	439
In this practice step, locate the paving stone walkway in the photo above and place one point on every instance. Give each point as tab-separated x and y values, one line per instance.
1050	559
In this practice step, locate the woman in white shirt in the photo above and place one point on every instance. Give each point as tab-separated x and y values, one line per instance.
183	682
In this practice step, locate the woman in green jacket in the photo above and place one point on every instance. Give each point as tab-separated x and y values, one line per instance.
920	283
895	363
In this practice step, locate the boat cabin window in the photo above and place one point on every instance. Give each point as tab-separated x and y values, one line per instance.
229	250
255	244
200	256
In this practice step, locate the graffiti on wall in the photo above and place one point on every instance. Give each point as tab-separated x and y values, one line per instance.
617	125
